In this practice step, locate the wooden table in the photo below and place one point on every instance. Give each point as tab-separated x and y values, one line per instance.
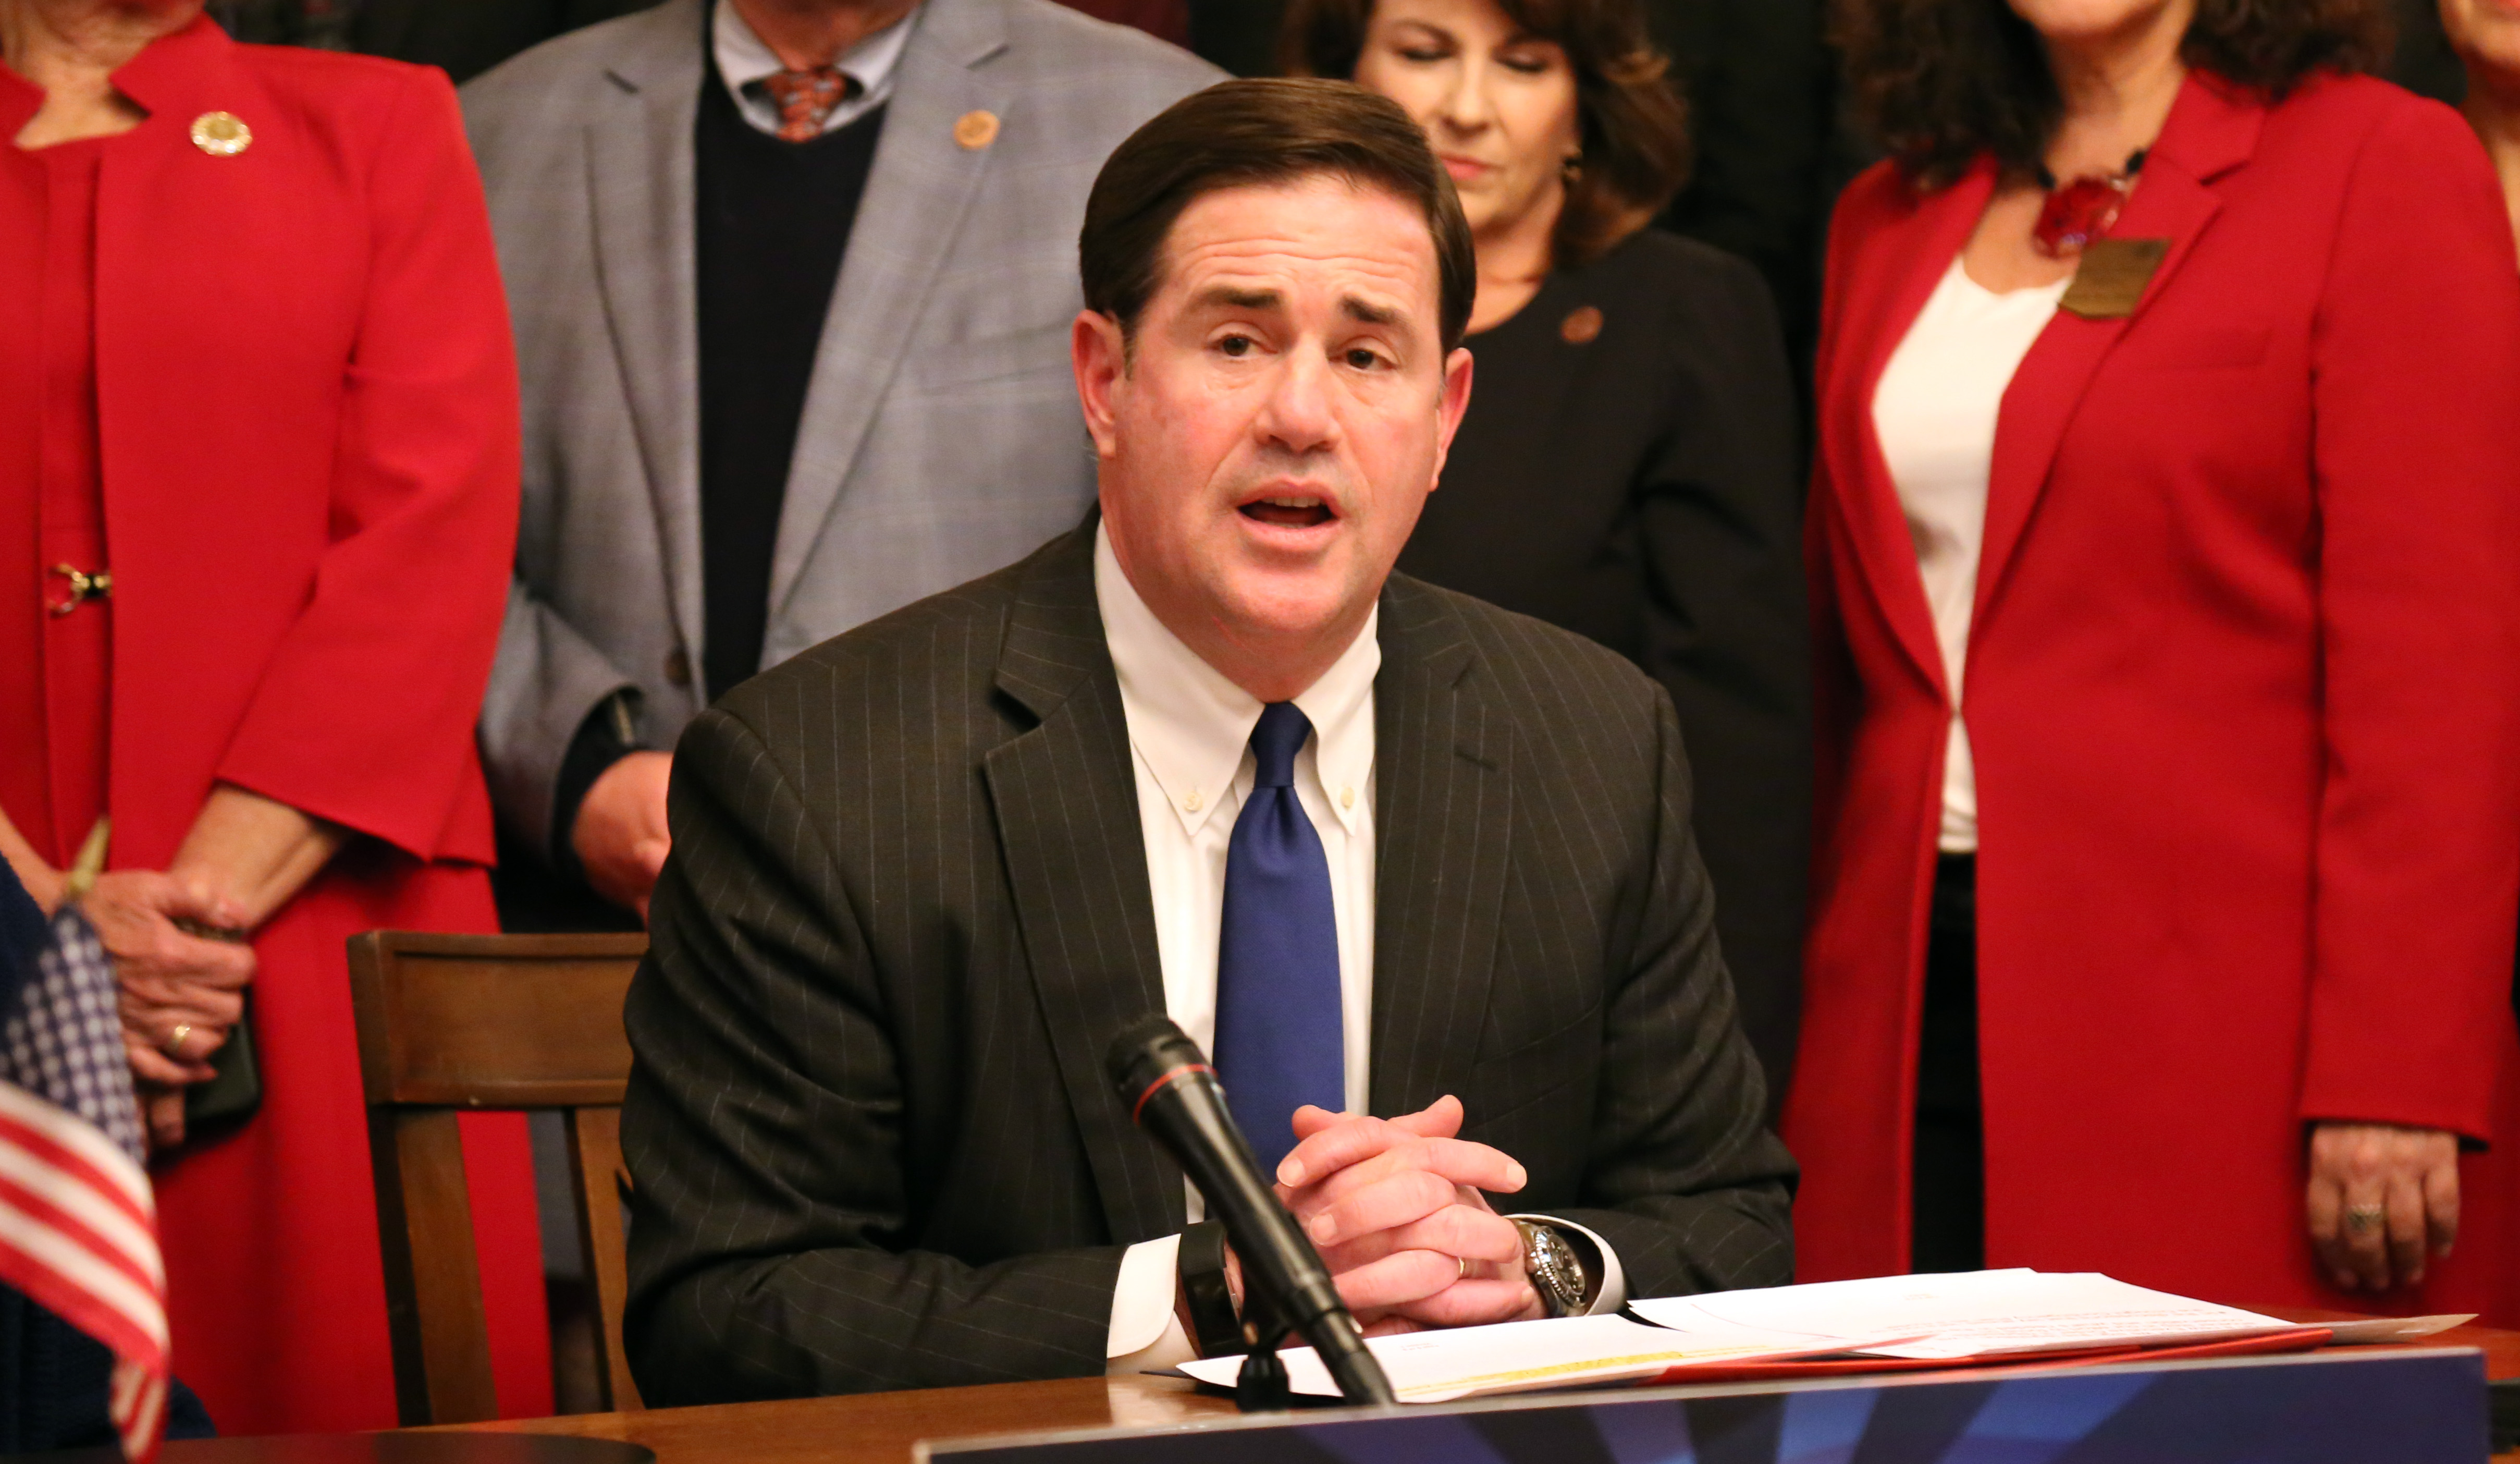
879	1428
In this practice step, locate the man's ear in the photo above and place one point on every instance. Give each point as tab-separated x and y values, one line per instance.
1456	402
1100	353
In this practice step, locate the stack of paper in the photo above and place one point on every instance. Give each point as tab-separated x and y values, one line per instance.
1971	1314
1980	1315
1433	1367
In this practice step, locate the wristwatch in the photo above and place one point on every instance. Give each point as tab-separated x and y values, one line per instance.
1201	1273
1555	1271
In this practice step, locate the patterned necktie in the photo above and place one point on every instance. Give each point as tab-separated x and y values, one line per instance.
806	98
1277	1012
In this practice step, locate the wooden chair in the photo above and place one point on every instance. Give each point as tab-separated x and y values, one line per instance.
456	1024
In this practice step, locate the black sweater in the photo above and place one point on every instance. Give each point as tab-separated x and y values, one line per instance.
774	223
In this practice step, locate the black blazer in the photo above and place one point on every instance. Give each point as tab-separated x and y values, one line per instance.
871	1140
1629	471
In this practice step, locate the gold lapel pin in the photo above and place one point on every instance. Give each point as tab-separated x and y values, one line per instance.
976	130
221	134
1582	326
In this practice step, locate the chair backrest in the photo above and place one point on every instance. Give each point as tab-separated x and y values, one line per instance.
450	1025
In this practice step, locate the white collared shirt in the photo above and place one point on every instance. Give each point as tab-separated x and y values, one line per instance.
743	58
1190	735
1190	745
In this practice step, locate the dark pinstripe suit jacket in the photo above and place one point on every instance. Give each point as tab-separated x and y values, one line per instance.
871	1139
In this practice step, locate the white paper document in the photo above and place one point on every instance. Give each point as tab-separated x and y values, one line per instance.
1970	1314
2016	1314
1433	1367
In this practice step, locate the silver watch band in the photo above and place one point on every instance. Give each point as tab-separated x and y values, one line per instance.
1554	1270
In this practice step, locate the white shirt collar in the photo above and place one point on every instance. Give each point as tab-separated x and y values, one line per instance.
743	57
1193	726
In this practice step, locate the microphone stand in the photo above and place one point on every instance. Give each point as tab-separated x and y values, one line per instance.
1174	1094
1261	1387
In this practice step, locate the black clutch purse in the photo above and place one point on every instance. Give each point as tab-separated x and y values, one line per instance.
231	1097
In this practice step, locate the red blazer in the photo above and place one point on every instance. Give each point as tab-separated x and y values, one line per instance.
307	424
310	562
2244	694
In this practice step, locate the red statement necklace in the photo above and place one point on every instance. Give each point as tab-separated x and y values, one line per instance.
2084	210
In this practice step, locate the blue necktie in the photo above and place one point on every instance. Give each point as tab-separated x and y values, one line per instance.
1277	1023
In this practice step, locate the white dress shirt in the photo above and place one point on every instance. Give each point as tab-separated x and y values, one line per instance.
1936	412
743	58
1189	736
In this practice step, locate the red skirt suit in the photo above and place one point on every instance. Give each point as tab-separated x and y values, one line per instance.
274	394
2244	692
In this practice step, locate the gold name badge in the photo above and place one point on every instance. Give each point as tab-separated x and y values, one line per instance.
2113	276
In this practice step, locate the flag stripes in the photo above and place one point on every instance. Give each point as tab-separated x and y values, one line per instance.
77	1235
78	1223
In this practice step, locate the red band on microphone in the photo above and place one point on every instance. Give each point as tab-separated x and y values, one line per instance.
1166	1082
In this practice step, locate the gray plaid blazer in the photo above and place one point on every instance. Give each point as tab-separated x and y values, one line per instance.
871	1140
940	435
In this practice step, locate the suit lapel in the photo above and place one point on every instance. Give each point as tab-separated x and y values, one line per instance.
1922	247
2211	132
1066	804
639	177
919	186
1443	831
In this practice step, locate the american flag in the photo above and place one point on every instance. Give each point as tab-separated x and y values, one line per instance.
78	1225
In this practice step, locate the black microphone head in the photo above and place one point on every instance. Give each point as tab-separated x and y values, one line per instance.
1144	1051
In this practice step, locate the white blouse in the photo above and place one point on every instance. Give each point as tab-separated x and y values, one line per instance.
1935	413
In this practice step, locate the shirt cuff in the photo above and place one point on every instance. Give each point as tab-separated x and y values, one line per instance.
609	734
1145	1333
1612	1292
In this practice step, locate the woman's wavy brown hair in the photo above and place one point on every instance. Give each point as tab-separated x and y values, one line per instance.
1633	124
1938	83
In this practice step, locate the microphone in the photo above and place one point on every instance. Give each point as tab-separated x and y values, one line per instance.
1173	1094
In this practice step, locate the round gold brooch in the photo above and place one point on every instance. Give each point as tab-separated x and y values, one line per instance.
221	134
975	130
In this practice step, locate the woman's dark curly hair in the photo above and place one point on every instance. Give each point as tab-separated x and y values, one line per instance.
1939	82
1634	125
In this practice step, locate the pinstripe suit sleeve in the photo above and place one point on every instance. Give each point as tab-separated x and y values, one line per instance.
764	1126
1692	1189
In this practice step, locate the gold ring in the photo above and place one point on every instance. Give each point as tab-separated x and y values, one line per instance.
2363	1219
174	1046
1464	1263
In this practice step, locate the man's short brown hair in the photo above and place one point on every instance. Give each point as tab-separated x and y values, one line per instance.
1241	134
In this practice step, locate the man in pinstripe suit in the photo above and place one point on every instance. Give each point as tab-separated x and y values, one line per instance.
923	872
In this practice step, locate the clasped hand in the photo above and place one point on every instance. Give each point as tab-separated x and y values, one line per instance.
181	993
1395	1208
